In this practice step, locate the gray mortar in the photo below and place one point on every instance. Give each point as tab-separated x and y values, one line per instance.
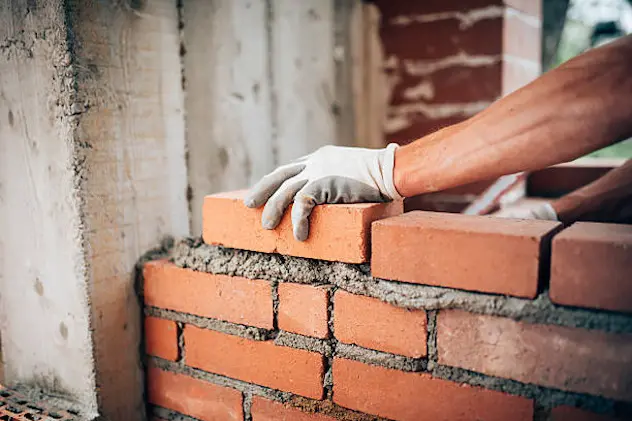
248	332
384	359
356	279
247	405
431	342
54	401
293	340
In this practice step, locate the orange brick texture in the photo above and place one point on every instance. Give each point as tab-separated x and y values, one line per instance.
337	232
453	318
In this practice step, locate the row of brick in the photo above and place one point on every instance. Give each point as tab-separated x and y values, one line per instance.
570	359
589	267
370	389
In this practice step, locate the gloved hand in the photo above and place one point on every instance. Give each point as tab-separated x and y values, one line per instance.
332	174
544	211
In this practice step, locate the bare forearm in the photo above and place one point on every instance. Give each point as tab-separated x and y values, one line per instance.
580	107
608	199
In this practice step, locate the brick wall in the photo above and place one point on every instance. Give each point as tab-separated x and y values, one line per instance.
390	317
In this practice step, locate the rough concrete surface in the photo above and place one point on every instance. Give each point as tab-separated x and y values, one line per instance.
194	254
44	313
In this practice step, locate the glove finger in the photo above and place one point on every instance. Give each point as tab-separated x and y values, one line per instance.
306	199
268	185
279	201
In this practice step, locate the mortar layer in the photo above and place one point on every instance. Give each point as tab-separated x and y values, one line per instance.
356	279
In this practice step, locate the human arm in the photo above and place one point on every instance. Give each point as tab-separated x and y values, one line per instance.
579	107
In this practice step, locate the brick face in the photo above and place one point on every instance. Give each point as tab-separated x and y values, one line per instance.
260	362
266	410
303	309
591	266
417	396
230	298
161	338
466	252
337	232
371	323
196	398
569	359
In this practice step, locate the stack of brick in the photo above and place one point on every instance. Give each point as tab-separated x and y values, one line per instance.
389	316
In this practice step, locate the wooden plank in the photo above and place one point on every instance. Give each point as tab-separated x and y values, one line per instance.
229	118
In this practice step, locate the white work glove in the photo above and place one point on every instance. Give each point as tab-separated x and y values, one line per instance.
544	211
332	174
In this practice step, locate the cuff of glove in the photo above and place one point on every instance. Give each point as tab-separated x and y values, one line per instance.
546	212
388	166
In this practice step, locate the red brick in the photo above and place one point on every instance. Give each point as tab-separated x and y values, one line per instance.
450	85
230	298
196	398
415	396
418	125
371	323
337	232
567	413
260	362
592	266
521	36
266	410
476	253
161	338
445	37
576	360
303	309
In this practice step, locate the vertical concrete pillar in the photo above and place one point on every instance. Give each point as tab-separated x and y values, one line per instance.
92	174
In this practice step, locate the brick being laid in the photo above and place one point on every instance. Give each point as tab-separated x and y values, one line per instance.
337	232
485	254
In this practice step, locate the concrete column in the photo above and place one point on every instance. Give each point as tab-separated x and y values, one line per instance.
92	174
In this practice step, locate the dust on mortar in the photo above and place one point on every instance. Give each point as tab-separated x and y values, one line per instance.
55	400
356	279
248	332
383	359
293	340
328	408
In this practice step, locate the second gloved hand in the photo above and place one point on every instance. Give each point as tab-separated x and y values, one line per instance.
543	212
332	174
